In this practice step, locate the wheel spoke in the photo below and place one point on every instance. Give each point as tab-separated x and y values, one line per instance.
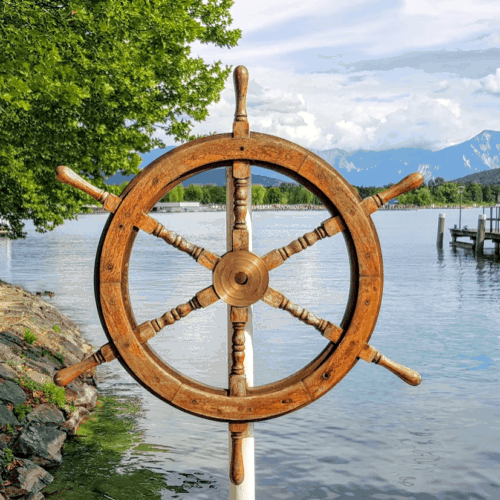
276	299
333	333
144	332
328	228
240	176
199	254
202	299
237	378
335	224
372	203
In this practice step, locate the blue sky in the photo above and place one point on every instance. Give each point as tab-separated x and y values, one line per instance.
365	74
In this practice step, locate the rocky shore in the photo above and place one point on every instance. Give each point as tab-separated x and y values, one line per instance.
36	416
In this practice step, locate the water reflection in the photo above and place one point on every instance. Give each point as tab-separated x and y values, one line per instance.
372	436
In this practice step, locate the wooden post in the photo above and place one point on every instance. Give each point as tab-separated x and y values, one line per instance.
245	490
481	227
440	233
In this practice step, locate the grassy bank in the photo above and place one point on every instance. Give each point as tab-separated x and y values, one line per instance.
93	466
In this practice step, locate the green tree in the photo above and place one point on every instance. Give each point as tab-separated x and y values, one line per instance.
217	194
273	196
488	195
206	198
473	193
85	83
193	192
258	194
448	191
423	196
176	194
302	196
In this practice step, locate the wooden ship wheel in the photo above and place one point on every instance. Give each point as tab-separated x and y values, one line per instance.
240	278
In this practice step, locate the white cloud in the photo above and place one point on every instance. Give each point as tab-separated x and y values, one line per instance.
492	82
285	44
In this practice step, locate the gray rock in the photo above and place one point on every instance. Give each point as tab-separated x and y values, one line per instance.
28	481
7	417
10	392
72	424
5	440
82	394
48	414
41	441
7	373
36	496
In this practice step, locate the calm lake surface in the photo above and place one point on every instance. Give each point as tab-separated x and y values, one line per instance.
372	436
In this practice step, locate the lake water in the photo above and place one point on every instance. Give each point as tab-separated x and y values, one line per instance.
372	436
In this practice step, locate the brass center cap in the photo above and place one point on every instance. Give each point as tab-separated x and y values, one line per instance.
240	278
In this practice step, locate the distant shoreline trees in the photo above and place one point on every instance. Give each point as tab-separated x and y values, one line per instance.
435	192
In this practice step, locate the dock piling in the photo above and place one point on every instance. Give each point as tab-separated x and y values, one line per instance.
481	229
440	232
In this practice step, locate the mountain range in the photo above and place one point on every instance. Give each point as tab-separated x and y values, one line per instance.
376	168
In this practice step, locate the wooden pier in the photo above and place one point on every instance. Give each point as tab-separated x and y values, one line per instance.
480	234
471	233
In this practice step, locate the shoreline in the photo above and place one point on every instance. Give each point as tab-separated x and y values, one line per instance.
36	416
277	208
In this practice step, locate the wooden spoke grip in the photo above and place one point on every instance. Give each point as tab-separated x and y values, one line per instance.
410	182
236	469
65	376
109	201
372	355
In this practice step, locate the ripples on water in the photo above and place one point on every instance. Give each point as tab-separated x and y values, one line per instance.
372	436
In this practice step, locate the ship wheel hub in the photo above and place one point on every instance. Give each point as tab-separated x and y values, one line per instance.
240	278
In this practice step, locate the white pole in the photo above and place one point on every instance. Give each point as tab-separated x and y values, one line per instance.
245	490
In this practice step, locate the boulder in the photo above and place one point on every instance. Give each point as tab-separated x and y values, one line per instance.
27	481
7	417
41	441
7	373
5	440
82	394
71	425
48	414
10	392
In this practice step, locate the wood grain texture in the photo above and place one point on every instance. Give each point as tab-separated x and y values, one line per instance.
236	468
348	214
109	201
199	254
372	203
241	178
202	299
277	257
408	375
276	299
292	159
241	126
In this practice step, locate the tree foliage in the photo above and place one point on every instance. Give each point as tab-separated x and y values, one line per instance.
84	83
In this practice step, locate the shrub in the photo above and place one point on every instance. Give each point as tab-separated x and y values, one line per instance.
55	394
56	328
28	383
9	456
29	337
21	411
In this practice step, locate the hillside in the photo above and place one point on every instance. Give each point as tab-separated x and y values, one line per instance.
485	177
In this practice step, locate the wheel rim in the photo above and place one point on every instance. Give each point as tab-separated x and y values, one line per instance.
283	396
